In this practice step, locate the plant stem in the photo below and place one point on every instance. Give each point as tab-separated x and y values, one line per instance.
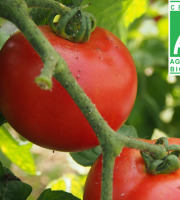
107	176
48	4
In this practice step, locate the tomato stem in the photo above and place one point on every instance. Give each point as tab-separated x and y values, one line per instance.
107	177
48	4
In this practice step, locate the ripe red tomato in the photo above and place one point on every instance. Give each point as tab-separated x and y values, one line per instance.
103	67
131	182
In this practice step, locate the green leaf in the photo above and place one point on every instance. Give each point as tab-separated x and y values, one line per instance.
110	13
2	119
128	131
87	158
56	195
11	187
39	15
16	190
107	13
71	183
17	152
132	10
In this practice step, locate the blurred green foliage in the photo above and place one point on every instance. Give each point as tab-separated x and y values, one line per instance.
70	183
18	152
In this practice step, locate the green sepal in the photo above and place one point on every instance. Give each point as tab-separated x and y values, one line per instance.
170	164
166	165
74	25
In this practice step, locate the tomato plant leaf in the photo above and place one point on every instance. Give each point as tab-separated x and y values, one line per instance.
16	190
17	152
132	10
110	14
56	195
128	131
88	157
69	183
107	13
11	187
39	15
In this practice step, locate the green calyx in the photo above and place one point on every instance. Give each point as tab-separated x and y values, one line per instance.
166	165
74	25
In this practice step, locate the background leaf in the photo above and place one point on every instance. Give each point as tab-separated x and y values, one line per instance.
132	10
117	15
70	183
39	15
17	152
107	13
128	131
16	190
11	187
56	195
87	158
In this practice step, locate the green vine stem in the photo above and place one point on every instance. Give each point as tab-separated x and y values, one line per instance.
112	143
108	168
48	4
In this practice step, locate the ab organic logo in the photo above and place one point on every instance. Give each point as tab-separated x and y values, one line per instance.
174	38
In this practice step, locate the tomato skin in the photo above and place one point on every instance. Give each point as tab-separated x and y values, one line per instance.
104	69
131	182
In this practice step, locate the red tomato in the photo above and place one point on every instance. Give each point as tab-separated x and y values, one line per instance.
131	182
104	69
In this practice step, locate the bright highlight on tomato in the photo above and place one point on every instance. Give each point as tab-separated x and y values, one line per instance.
131	182
104	69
